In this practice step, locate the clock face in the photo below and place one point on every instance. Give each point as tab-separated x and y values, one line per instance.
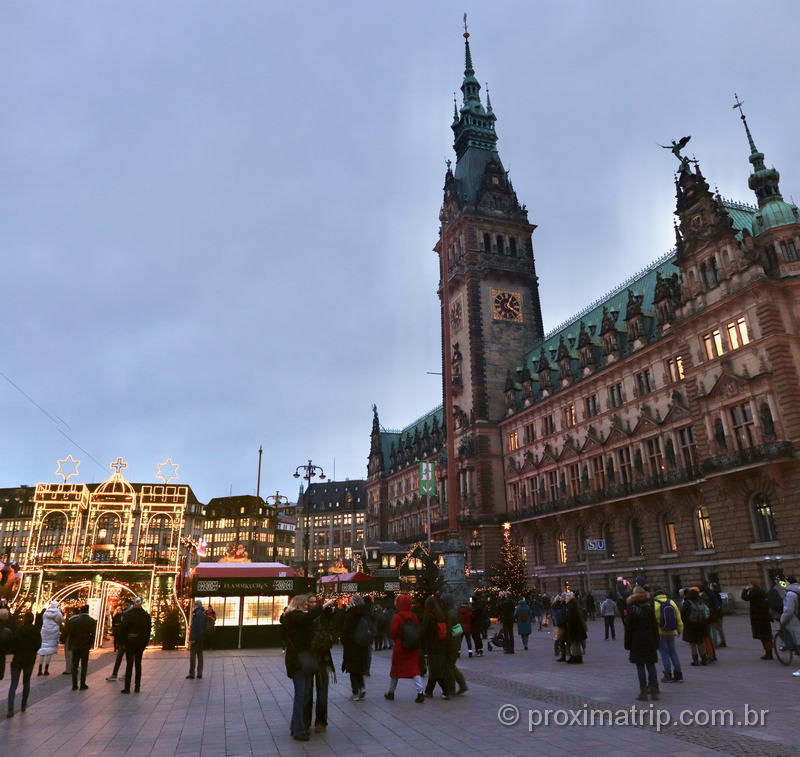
456	314
506	306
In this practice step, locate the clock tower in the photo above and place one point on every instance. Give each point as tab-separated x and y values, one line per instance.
491	314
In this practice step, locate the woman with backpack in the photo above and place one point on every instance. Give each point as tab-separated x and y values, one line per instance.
522	617
695	625
406	633
436	643
355	657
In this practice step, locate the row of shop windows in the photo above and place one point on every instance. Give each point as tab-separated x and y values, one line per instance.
762	516
252	611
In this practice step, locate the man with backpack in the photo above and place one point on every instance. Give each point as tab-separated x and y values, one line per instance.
197	635
670	624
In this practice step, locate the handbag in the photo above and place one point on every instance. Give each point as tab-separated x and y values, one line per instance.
456	630
308	662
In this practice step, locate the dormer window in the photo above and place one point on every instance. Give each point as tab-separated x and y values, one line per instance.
789	251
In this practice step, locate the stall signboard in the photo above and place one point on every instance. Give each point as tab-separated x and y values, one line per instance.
232	587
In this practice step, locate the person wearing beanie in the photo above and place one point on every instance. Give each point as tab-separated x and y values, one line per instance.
642	641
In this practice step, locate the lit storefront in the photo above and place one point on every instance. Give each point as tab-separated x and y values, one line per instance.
248	599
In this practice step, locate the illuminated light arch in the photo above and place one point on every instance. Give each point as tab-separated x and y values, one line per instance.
42	527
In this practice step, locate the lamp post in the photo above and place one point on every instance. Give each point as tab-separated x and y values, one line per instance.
280	504
310	470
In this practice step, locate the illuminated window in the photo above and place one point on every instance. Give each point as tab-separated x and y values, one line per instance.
561	548
513	441
703	519
738	334
655	460
712	341
568	418
262	611
675	369
226	608
670	540
764	519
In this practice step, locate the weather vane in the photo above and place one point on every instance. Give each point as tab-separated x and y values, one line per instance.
173	468
466	31
66	475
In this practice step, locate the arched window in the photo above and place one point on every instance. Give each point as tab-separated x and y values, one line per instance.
704	535
608	536
635	533
561	548
764	519
52	540
158	540
107	532
668	537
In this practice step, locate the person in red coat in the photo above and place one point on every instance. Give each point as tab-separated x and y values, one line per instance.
405	660
464	615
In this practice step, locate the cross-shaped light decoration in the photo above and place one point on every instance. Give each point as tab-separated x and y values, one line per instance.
67	474
173	470
118	466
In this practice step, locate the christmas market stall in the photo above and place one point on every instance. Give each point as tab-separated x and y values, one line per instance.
342	584
248	599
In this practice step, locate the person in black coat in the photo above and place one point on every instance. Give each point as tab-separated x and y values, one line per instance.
135	630
759	617
695	625
574	629
642	641
26	642
80	637
355	657
436	645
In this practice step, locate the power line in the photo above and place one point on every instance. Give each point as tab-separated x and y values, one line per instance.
56	421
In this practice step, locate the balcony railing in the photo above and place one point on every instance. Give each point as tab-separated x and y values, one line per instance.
763	453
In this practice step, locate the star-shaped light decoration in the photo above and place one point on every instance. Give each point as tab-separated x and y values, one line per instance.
166	477
67	474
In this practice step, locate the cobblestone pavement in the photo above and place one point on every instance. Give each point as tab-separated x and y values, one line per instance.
243	703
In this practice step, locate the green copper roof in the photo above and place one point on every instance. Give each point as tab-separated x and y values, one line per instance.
641	284
772	214
399	437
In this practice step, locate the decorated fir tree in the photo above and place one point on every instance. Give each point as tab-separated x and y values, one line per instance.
509	574
429	581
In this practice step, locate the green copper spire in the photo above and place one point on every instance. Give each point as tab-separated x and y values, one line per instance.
773	211
475	141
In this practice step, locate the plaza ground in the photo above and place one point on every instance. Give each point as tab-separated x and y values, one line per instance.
243	704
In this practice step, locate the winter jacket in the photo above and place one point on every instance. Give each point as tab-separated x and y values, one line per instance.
641	630
298	629
522	614
465	618
760	619
480	617
355	658
791	605
608	608
80	631
135	628
574	624
27	640
197	627
405	662
51	629
506	612
662	599
694	631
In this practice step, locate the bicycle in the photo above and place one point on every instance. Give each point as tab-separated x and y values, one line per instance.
784	647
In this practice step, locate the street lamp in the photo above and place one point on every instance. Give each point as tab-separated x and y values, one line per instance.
280	504
310	470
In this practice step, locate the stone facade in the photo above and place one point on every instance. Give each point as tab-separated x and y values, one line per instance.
663	419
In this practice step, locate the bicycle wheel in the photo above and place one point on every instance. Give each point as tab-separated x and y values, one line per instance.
783	652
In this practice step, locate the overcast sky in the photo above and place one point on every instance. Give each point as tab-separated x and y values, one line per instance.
216	218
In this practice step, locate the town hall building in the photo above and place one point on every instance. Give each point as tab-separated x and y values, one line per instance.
662	420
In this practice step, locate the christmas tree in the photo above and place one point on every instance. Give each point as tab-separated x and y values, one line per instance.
510	573
429	581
